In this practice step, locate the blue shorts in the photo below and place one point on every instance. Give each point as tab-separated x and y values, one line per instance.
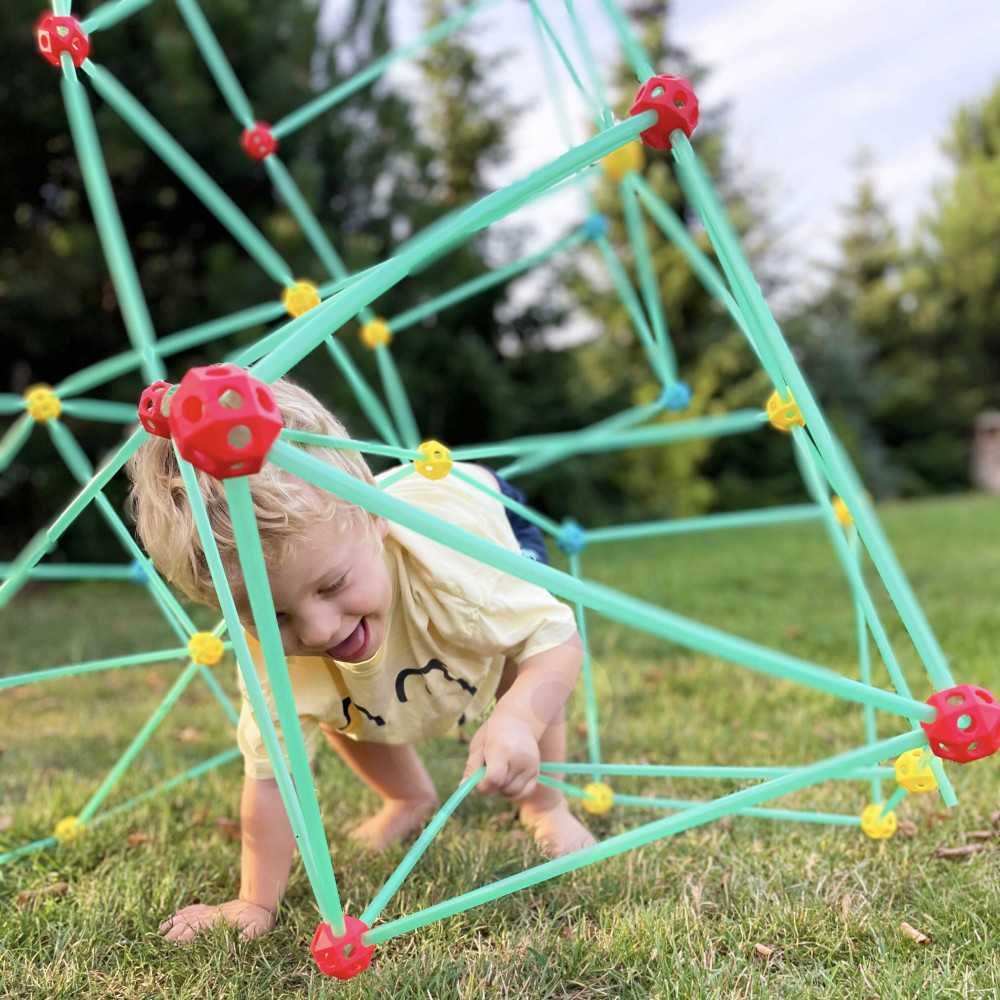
528	536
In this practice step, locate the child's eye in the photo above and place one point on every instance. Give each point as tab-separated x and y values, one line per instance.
334	587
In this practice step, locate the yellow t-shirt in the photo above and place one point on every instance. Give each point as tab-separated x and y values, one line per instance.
453	623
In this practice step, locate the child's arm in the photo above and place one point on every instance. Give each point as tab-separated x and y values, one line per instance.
266	859
507	743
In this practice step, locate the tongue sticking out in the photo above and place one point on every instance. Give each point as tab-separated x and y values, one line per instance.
352	647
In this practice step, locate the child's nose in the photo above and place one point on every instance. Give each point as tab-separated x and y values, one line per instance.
317	629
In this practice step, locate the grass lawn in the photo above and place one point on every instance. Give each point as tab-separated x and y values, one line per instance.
742	908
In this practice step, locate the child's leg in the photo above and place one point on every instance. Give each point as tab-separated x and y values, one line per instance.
395	773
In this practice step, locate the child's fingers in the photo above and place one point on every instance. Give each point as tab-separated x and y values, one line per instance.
475	761
497	770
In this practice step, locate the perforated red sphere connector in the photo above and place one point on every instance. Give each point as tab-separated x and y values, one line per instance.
224	420
55	35
258	142
967	726
150	409
675	103
345	956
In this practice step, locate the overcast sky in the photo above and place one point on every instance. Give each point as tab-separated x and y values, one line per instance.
808	85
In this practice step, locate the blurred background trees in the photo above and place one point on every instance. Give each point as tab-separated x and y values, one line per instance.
901	342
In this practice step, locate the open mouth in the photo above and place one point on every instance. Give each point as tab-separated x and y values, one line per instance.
354	646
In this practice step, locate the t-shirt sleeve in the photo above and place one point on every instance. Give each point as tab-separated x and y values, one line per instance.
256	763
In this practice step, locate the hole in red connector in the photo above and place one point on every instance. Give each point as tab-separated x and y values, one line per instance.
192	409
679	101
239	436
956	699
231	399
264	399
656	92
964	722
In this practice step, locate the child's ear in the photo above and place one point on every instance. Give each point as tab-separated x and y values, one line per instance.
381	526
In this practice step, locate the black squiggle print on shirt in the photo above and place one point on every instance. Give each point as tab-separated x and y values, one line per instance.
345	706
422	672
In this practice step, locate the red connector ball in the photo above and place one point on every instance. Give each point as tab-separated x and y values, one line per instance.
967	726
672	98
224	420
258	142
342	957
56	35
150	409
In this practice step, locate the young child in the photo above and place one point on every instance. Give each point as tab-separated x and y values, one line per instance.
390	639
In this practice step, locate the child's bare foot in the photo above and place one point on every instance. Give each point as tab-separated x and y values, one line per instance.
395	821
555	829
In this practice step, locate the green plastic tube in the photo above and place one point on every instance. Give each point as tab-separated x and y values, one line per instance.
413	316
370	404
350	444
712	522
619	421
220	695
593	69
109	14
648	283
865	671
324	102
218	64
214	329
13	440
394	477
634	52
254	572
619	607
76	571
590	704
20	569
248	671
25	849
539	520
894	800
310	225
398	400
131	301
9	403
98	374
419	848
138	742
634	309
331	315
92	666
701	771
583	443
100	409
658	829
181	163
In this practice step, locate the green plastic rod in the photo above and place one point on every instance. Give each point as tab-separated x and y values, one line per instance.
634	309
396	394
246	356
111	13
45	540
619	607
210	764
350	444
214	329
310	225
740	773
138	742
101	409
539	520
9	403
648	283
634	51
389	479
331	315
220	695
14	438
599	111
254	572
124	277
658	829
476	285
419	848
584	443
76	571
62	8
25	849
894	800
782	815
183	165
218	64
619	421
97	374
590	704
712	522
591	64
248	671
370	404
865	671
324	102
92	666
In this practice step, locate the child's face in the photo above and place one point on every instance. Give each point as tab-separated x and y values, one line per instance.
332	592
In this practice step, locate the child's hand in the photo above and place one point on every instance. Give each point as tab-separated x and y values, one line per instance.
186	924
509	750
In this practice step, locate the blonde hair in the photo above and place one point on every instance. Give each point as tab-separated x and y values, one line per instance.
285	506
